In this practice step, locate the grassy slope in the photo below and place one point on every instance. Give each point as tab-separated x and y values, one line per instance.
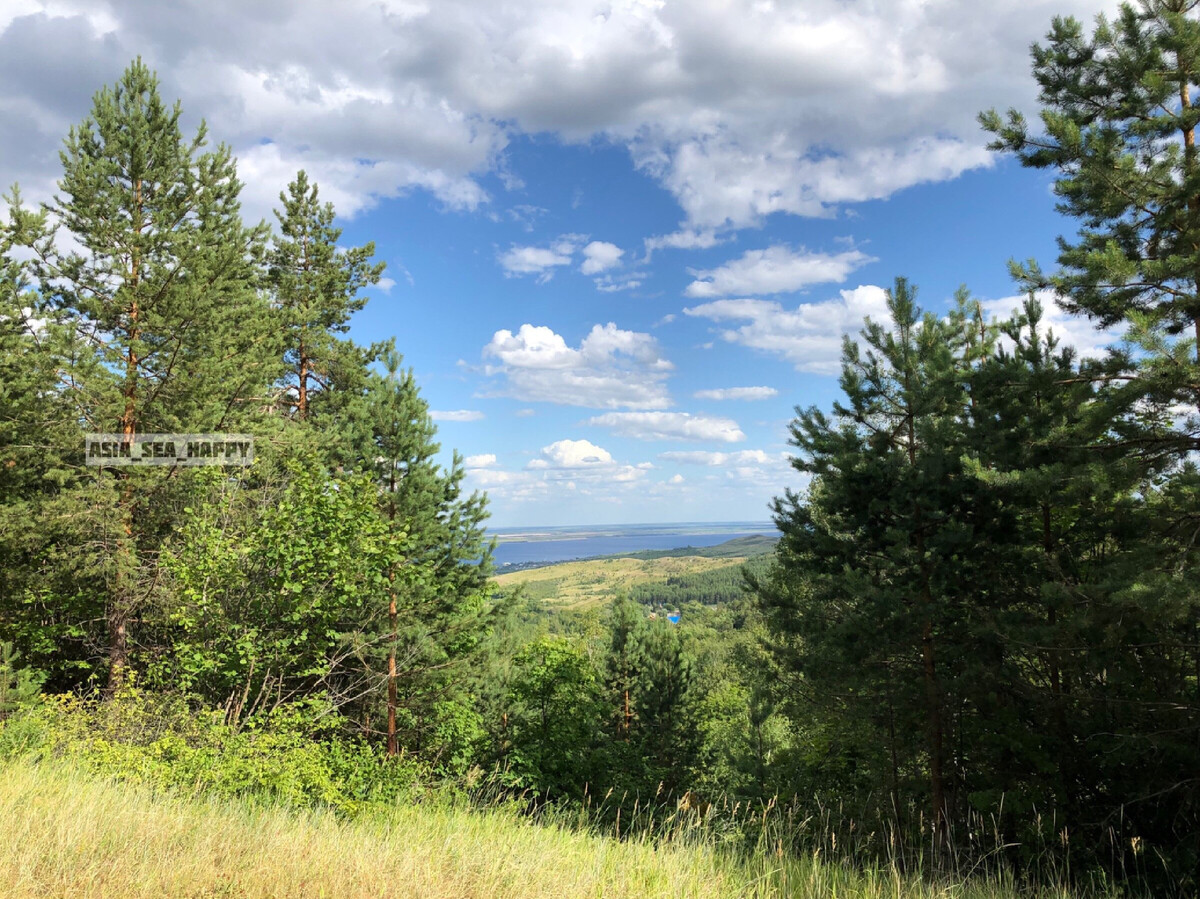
62	834
595	581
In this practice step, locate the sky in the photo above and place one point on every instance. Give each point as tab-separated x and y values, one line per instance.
623	239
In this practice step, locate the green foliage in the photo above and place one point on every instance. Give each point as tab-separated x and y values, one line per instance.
555	712
708	587
291	755
149	279
277	592
19	686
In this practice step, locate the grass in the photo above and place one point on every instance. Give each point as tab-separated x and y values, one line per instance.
593	582
64	834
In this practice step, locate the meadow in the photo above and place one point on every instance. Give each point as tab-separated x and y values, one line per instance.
67	833
594	582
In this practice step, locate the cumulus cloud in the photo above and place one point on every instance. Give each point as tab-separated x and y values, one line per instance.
742	470
455	415
541	261
737	393
483	460
572	454
565	465
610	369
777	269
600	256
670	426
741	109
809	336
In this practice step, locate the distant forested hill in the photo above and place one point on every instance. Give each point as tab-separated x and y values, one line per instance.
738	548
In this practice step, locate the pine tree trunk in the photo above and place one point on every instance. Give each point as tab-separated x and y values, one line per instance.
1189	162
393	745
121	603
302	386
933	701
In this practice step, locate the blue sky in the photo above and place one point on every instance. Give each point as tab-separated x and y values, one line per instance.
623	239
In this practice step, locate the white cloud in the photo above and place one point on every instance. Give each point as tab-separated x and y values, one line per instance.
675	479
568	454
723	183
565	465
809	336
483	460
456	415
684	239
746	469
542	261
611	369
740	108
670	426
737	393
600	256
777	269
619	282
741	457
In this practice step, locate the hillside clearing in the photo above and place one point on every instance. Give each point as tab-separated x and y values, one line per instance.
595	582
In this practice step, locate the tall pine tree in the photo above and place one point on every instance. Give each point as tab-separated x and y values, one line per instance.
315	287
144	251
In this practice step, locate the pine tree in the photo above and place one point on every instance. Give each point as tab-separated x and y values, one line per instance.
438	605
315	288
160	293
623	663
666	728
864	583
1119	131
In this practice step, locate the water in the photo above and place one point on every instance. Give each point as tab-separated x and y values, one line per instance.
564	544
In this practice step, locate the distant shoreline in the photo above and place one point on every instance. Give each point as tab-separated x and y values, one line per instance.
585	532
514	555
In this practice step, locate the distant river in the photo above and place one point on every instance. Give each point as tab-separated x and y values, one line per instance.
551	548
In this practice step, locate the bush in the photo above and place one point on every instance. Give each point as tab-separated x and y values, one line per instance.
291	756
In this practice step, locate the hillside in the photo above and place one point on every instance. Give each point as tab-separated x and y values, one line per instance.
687	574
65	834
593	582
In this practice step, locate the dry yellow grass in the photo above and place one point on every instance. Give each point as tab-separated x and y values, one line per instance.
63	834
595	581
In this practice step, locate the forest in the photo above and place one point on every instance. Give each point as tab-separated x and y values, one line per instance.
975	647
